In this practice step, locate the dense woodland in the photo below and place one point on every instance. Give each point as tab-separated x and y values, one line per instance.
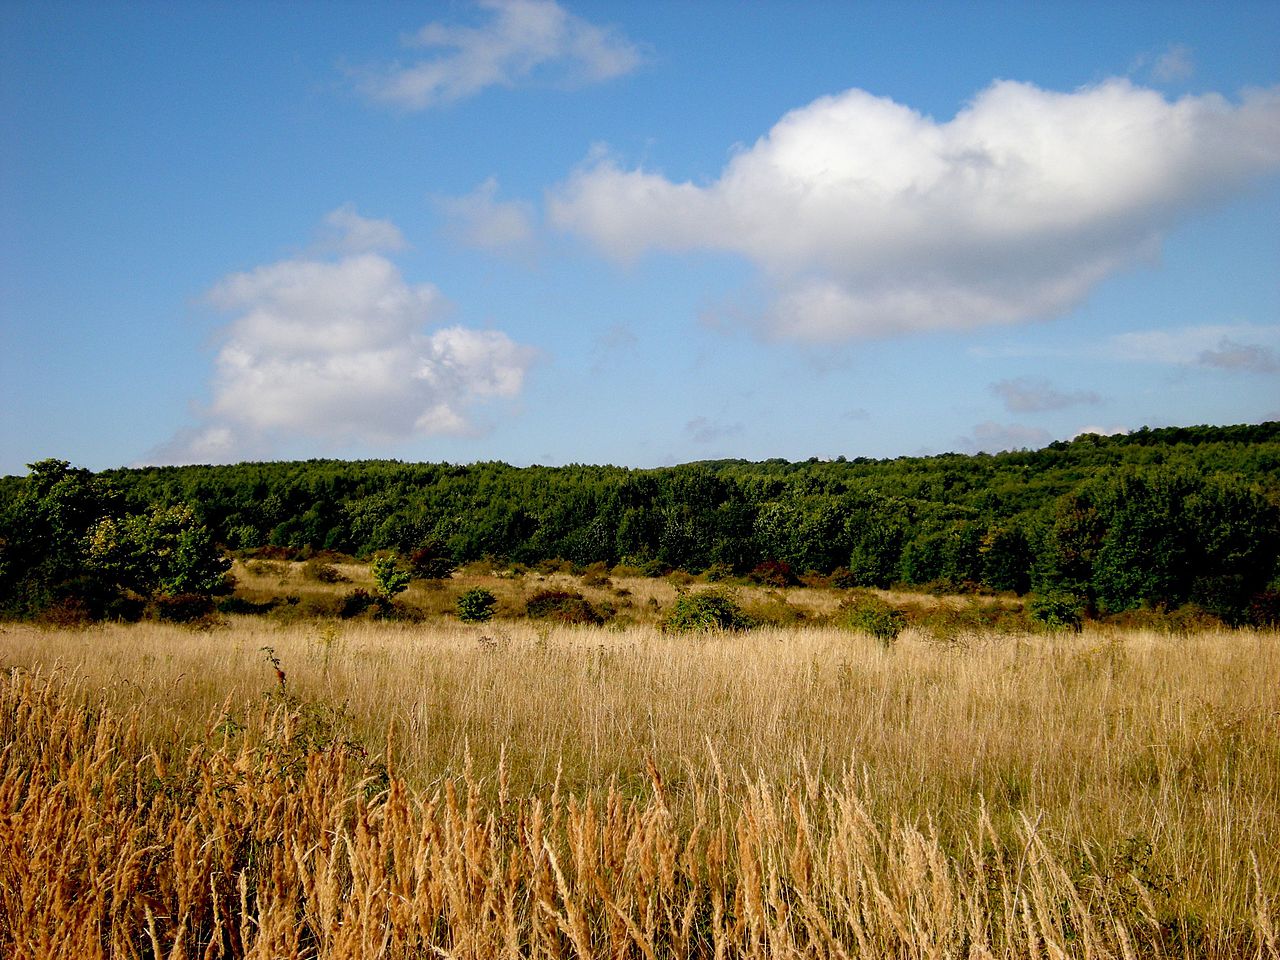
1159	517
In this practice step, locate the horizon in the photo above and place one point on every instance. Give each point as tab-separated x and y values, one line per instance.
546	233
856	459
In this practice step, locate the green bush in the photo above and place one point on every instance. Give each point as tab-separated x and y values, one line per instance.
562	606
476	605
1057	610
870	614
709	610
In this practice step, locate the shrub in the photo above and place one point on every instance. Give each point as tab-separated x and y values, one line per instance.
184	607
1057	610
718	572
430	562
842	578
596	575
709	610
947	621
476	605
275	569
321	571
870	614
1264	609
355	603
774	611
773	573
561	606
244	606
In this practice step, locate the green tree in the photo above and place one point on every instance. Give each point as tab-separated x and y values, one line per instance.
389	578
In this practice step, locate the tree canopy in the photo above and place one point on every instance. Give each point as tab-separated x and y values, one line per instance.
1166	516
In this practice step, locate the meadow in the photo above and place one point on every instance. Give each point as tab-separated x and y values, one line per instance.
295	785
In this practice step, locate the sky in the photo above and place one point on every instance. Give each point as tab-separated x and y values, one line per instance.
631	233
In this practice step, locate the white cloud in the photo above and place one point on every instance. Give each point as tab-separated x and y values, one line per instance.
992	437
870	219
479	219
348	232
520	38
1242	346
342	352
1100	431
1031	395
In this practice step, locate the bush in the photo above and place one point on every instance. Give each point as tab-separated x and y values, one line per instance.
947	621
430	562
476	605
244	606
561	606
184	607
870	614
321	571
275	569
1057	610
773	573
774	611
596	575
709	610
355	603
1264	609
718	572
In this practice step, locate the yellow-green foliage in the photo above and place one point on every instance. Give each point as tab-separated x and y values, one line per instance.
512	790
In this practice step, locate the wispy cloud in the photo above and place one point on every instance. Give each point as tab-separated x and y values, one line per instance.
992	437
1174	65
1031	395
705	430
479	219
520	40
1247	357
342	352
868	218
1246	348
345	231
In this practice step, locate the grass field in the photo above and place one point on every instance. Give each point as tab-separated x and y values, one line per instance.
319	788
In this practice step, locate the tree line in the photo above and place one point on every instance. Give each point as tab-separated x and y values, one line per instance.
1156	517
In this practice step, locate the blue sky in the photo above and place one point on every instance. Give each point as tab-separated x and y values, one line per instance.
631	233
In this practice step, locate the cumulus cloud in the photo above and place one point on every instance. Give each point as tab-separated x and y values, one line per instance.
342	351
521	38
1032	395
992	437
868	218
479	219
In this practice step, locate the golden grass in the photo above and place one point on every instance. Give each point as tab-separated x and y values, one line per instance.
514	790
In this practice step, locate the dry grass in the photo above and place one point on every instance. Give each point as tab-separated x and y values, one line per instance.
510	790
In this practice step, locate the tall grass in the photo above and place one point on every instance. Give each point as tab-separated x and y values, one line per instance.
510	791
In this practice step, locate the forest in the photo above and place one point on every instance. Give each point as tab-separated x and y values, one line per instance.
1157	517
